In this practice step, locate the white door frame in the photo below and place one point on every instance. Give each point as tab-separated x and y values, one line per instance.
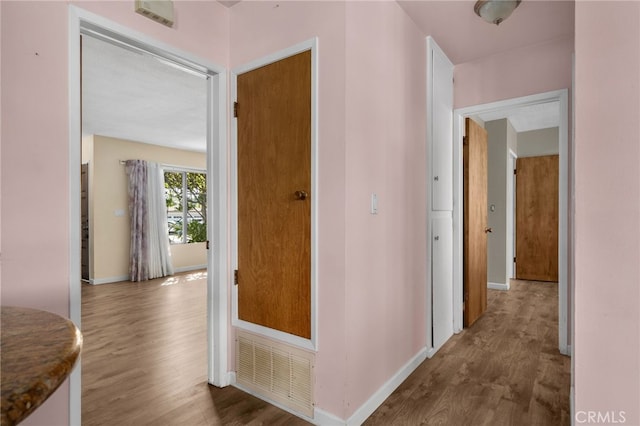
511	217
312	343
81	21
459	115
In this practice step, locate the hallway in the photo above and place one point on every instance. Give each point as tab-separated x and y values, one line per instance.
504	370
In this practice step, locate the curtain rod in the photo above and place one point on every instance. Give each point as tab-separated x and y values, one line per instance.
172	166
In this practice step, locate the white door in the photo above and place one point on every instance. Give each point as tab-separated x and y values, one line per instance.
442	276
440	142
441	129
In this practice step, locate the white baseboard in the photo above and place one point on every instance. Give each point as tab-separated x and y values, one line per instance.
109	280
190	268
231	378
320	417
572	404
272	402
324	418
499	286
120	278
566	350
372	404
429	353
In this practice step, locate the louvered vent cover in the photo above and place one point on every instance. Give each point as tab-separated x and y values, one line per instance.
277	371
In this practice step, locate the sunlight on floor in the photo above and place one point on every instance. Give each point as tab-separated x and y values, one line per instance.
171	281
196	276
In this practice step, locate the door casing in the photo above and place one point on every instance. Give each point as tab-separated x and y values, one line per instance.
217	280
511	216
459	115
312	343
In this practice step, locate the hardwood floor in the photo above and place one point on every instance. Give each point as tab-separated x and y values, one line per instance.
144	362
503	370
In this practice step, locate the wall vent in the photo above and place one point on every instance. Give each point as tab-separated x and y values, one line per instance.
277	371
159	10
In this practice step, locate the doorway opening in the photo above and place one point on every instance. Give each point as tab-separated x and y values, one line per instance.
502	107
85	23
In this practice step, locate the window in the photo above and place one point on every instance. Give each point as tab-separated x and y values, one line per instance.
186	196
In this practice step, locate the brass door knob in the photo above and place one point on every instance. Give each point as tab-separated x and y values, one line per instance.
301	195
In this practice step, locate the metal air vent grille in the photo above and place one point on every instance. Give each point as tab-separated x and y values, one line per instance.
276	371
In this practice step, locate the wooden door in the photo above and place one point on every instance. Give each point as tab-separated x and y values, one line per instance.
84	220
475	222
274	195
536	255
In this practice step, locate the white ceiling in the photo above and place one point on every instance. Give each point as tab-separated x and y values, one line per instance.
132	96
526	118
465	37
128	95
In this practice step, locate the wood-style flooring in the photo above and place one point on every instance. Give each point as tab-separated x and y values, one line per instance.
144	363
504	370
144	359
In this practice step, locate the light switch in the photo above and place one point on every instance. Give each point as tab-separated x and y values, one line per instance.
374	203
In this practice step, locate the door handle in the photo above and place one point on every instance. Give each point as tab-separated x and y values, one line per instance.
301	195
487	230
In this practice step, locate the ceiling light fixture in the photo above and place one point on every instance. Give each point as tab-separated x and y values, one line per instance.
495	11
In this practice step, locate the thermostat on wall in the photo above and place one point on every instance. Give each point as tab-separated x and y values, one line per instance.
159	10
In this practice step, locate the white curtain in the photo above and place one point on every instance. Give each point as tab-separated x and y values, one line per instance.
160	264
150	256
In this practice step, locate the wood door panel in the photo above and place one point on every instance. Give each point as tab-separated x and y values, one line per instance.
537	218
274	227
84	221
475	222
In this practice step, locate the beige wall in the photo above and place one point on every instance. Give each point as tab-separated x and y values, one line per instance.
536	143
501	138
109	216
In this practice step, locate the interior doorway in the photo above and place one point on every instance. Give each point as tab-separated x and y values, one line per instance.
82	22
561	98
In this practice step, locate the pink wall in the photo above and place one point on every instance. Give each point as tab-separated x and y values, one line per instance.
35	199
386	255
371	269
515	73
607	219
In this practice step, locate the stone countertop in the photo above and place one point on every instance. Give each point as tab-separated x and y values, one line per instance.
38	350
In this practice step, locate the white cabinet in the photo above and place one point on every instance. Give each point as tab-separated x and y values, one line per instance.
442	279
440	152
440	129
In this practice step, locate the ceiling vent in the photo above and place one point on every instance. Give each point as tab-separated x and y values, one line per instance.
275	371
159	10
